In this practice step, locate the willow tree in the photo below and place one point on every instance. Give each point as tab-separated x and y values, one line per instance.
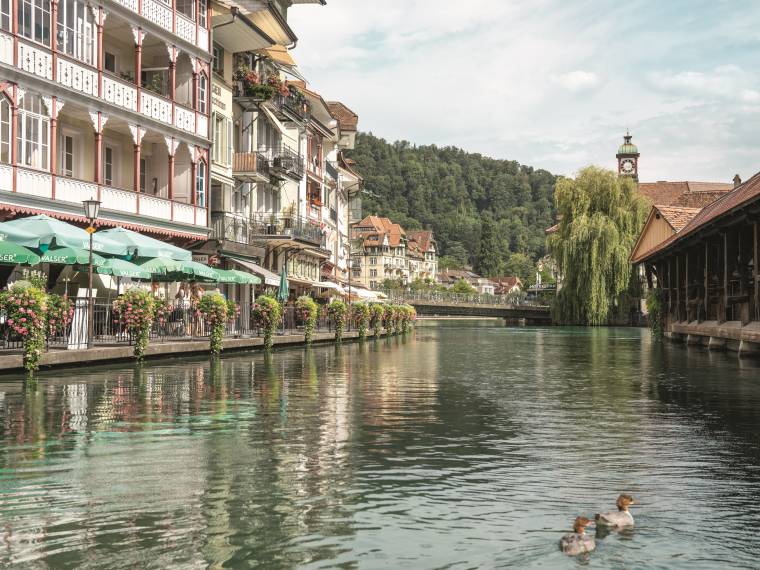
601	215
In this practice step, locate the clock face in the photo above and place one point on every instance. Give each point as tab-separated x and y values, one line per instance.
627	166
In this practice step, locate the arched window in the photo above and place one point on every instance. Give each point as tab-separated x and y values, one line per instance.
200	184
76	30
5	130
34	20
33	132
202	92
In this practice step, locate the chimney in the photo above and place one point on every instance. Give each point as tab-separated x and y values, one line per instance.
737	181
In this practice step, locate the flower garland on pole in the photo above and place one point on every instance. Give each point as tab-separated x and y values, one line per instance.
267	313
337	311
135	310
213	308
162	310
376	311
397	315
60	312
361	314
388	319
408	316
308	309
25	310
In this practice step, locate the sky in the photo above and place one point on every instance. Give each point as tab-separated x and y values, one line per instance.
550	83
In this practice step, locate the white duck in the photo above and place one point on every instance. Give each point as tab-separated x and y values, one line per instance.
620	518
578	542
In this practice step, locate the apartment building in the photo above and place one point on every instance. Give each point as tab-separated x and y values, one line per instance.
278	193
107	100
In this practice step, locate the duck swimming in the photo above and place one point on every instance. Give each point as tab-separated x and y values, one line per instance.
578	542
620	518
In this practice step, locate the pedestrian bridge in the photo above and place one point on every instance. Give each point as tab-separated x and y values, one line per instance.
476	306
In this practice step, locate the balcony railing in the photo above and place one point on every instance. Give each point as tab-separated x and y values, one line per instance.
286	162
239	229
274	225
250	164
290	106
331	170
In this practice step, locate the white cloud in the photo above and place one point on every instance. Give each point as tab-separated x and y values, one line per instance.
549	83
578	80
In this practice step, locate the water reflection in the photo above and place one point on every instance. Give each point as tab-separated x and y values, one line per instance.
462	445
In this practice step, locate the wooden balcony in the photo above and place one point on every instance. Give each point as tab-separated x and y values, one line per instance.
253	166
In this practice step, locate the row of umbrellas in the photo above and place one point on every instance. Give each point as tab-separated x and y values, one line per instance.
117	252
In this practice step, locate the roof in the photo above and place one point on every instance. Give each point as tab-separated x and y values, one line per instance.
628	147
381	227
423	239
347	119
723	206
506	283
668	193
677	217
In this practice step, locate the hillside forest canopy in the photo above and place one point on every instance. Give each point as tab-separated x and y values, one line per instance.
486	213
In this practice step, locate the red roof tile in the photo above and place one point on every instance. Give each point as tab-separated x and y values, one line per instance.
677	217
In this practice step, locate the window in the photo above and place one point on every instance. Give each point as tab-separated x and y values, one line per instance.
222	148
217	64
373	272
33	132
202	88
67	156
76	30
5	130
373	260
5	14
373	284
200	185
109	62
143	168
34	20
202	13
108	158
186	8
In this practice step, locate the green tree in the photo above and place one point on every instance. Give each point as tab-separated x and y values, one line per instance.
522	266
601	217
490	261
463	287
448	262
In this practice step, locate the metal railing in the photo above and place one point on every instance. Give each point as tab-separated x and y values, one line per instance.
286	225
250	163
446	298
286	162
296	106
181	322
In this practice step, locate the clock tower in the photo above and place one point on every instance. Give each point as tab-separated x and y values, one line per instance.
628	158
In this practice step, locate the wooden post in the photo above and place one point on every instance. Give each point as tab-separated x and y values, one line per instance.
53	145
670	289
722	317
98	152
678	289
756	273
138	35
707	278
686	285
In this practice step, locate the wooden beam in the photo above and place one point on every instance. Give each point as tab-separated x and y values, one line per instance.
670	289
678	289
686	286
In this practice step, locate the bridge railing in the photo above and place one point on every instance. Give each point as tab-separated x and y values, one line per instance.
440	298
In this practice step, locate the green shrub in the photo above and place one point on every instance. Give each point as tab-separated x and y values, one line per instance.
337	311
267	313
25	308
135	310
361	315
308	311
213	308
60	311
376	311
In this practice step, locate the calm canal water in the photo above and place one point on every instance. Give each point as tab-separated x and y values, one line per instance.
466	445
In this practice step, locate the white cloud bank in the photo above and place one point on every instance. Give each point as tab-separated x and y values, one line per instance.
550	83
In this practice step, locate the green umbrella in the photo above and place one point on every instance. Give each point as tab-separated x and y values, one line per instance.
120	268
160	266
71	256
15	254
48	230
238	277
283	292
145	246
17	235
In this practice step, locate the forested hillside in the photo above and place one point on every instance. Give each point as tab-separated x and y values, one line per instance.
483	211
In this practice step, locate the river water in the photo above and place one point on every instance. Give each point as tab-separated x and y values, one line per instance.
465	445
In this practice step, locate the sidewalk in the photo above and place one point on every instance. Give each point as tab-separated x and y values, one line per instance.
103	354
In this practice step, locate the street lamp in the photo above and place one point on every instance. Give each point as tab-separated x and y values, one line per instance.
91	211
